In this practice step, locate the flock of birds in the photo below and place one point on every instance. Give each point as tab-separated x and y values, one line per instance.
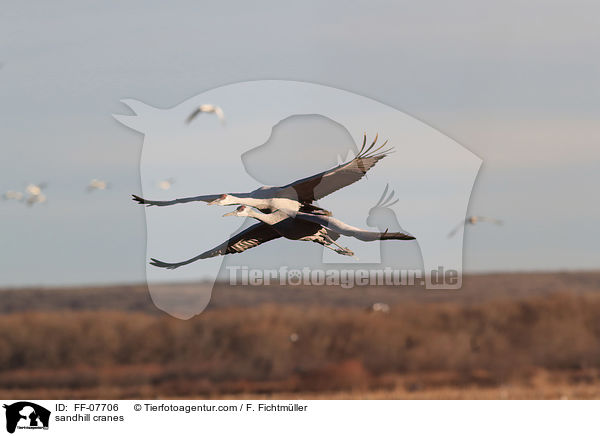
282	212
34	193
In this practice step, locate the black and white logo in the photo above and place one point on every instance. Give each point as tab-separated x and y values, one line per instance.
26	415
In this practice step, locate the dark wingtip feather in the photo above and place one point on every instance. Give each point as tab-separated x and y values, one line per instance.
364	143
398	235
138	199
372	144
377	152
193	115
161	264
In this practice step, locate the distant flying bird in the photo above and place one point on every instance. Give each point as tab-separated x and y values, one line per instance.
13	195
324	230
298	195
474	220
207	108
379	307
34	190
31	200
35	194
97	185
166	184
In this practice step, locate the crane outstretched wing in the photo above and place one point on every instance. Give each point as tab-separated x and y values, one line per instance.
490	220
206	198
245	240
310	188
458	227
320	185
342	228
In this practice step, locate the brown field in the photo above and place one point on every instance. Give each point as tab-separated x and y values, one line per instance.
501	336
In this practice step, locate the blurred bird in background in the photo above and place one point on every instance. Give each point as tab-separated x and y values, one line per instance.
474	219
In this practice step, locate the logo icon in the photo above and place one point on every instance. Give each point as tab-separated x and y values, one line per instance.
26	415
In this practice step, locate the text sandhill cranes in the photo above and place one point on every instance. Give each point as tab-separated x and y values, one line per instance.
288	211
474	219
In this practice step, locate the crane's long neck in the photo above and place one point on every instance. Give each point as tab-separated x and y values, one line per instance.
266	203
268	218
250	201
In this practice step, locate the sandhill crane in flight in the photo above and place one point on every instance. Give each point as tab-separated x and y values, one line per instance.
166	184
207	108
35	194
324	230
474	220
13	195
272	226
97	185
298	195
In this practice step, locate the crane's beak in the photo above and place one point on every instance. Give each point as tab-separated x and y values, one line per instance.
230	213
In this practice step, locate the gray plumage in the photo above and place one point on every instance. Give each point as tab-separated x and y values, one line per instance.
299	226
248	238
298	195
272	226
347	230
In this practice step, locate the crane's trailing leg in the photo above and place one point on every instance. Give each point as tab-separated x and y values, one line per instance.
341	250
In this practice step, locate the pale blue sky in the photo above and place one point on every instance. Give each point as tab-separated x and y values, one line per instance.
518	84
